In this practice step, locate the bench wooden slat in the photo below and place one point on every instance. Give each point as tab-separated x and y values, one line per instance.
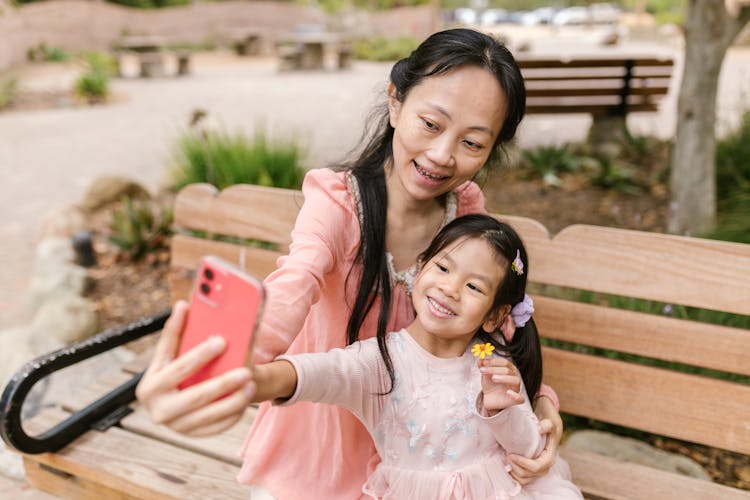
659	337
110	463
675	269
187	251
588	62
16	491
240	210
594	91
531	76
683	406
605	477
223	447
593	109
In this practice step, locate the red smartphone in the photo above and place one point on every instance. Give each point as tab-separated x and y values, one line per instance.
225	301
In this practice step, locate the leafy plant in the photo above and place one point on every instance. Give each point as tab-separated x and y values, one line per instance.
615	175
223	159
8	89
733	160
93	84
139	227
44	52
384	49
548	162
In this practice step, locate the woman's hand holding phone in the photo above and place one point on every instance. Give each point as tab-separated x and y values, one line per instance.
196	410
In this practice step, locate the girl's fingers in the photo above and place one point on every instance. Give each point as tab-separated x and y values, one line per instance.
512	380
219	412
169	340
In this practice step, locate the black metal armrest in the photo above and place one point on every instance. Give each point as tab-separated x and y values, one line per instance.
57	437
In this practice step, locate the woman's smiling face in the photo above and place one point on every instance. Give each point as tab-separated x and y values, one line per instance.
445	130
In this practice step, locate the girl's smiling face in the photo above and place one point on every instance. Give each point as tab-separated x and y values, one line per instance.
445	130
453	295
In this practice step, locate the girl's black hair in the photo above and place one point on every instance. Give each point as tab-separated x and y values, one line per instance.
524	348
441	53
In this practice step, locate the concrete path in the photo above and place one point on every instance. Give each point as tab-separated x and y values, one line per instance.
49	158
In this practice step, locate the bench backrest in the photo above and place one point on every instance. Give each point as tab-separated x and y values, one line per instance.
595	85
678	271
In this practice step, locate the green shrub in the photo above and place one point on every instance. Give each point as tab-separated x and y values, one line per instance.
150	4
384	49
44	52
223	159
8	89
140	227
548	162
733	160
93	84
611	174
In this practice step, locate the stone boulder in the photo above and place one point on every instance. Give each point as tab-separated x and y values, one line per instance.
109	189
634	451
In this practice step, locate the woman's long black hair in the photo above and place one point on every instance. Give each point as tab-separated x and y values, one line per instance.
524	348
441	53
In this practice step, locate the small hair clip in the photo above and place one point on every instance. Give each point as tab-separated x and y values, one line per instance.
521	312
517	264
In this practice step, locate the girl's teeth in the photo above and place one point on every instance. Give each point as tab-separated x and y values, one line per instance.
440	308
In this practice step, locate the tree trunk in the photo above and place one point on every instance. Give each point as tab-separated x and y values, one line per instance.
709	30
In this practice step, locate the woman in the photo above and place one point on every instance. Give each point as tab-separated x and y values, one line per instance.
451	105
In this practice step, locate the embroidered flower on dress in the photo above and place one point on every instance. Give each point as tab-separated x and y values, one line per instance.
482	350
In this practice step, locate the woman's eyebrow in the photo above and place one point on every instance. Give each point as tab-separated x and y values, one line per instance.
444	112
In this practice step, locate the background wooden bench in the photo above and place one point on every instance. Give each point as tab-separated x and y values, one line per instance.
607	88
138	459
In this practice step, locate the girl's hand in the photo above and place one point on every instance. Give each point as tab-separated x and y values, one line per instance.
196	410
501	384
525	470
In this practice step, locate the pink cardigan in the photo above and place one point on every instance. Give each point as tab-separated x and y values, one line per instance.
312	450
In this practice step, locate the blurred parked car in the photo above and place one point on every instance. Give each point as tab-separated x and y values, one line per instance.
571	16
465	16
490	17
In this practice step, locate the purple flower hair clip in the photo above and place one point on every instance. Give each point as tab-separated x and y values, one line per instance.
517	264
521	312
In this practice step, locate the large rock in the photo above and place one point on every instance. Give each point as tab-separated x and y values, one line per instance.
632	450
67	318
54	272
109	189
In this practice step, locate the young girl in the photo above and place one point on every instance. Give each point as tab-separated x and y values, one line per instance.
451	106
442	422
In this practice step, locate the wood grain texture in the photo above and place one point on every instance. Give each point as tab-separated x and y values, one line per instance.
669	339
14	490
604	477
683	406
123	461
673	269
242	210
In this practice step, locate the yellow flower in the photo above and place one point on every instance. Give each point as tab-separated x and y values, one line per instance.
482	350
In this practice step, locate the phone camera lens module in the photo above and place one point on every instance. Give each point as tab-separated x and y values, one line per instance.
208	273
205	288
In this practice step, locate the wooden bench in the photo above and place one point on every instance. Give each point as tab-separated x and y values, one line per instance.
607	88
137	459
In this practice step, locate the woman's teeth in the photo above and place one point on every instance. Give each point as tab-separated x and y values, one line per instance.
429	175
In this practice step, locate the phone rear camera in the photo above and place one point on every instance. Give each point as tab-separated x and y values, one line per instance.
205	288
208	273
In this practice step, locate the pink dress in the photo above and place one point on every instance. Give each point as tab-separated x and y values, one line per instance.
312	450
432	433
